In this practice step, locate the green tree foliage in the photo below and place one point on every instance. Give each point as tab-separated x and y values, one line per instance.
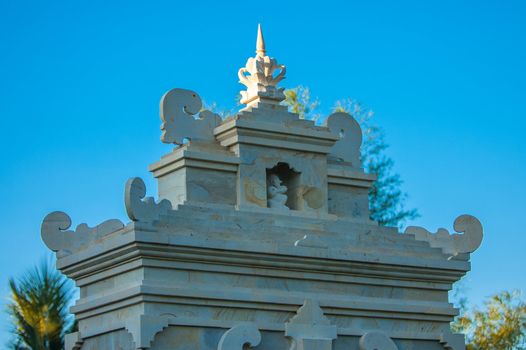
299	101
500	325
39	308
386	198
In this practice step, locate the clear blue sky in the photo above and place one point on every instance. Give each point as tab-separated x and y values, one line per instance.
80	83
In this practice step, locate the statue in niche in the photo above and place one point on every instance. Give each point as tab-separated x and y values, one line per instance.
276	193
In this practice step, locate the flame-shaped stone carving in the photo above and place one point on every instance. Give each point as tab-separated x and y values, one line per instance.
178	106
260	78
454	244
310	329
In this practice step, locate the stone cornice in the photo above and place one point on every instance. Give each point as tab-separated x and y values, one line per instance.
299	135
141	244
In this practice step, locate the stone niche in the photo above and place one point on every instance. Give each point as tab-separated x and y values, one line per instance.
290	181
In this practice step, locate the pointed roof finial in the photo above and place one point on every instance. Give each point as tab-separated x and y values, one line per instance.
261	76
260	43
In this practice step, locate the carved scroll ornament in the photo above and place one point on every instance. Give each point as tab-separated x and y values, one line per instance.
139	207
57	237
452	244
347	148
239	337
178	107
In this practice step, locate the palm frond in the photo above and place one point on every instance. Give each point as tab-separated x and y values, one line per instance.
39	304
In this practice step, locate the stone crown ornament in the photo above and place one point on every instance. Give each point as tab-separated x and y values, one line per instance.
259	76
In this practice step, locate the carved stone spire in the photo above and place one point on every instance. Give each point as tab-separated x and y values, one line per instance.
259	77
260	43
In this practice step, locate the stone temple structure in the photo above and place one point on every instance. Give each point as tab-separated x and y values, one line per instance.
260	239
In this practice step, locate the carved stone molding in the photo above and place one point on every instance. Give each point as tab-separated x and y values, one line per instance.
376	340
57	237
347	148
453	244
73	341
178	107
452	341
143	328
139	207
240	336
310	329
311	241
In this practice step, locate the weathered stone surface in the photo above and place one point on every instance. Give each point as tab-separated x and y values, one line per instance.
197	173
452	341
376	341
73	341
143	328
310	329
112	340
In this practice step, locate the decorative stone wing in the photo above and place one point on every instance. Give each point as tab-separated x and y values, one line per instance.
56	236
140	208
454	244
239	336
347	148
376	340
178	107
